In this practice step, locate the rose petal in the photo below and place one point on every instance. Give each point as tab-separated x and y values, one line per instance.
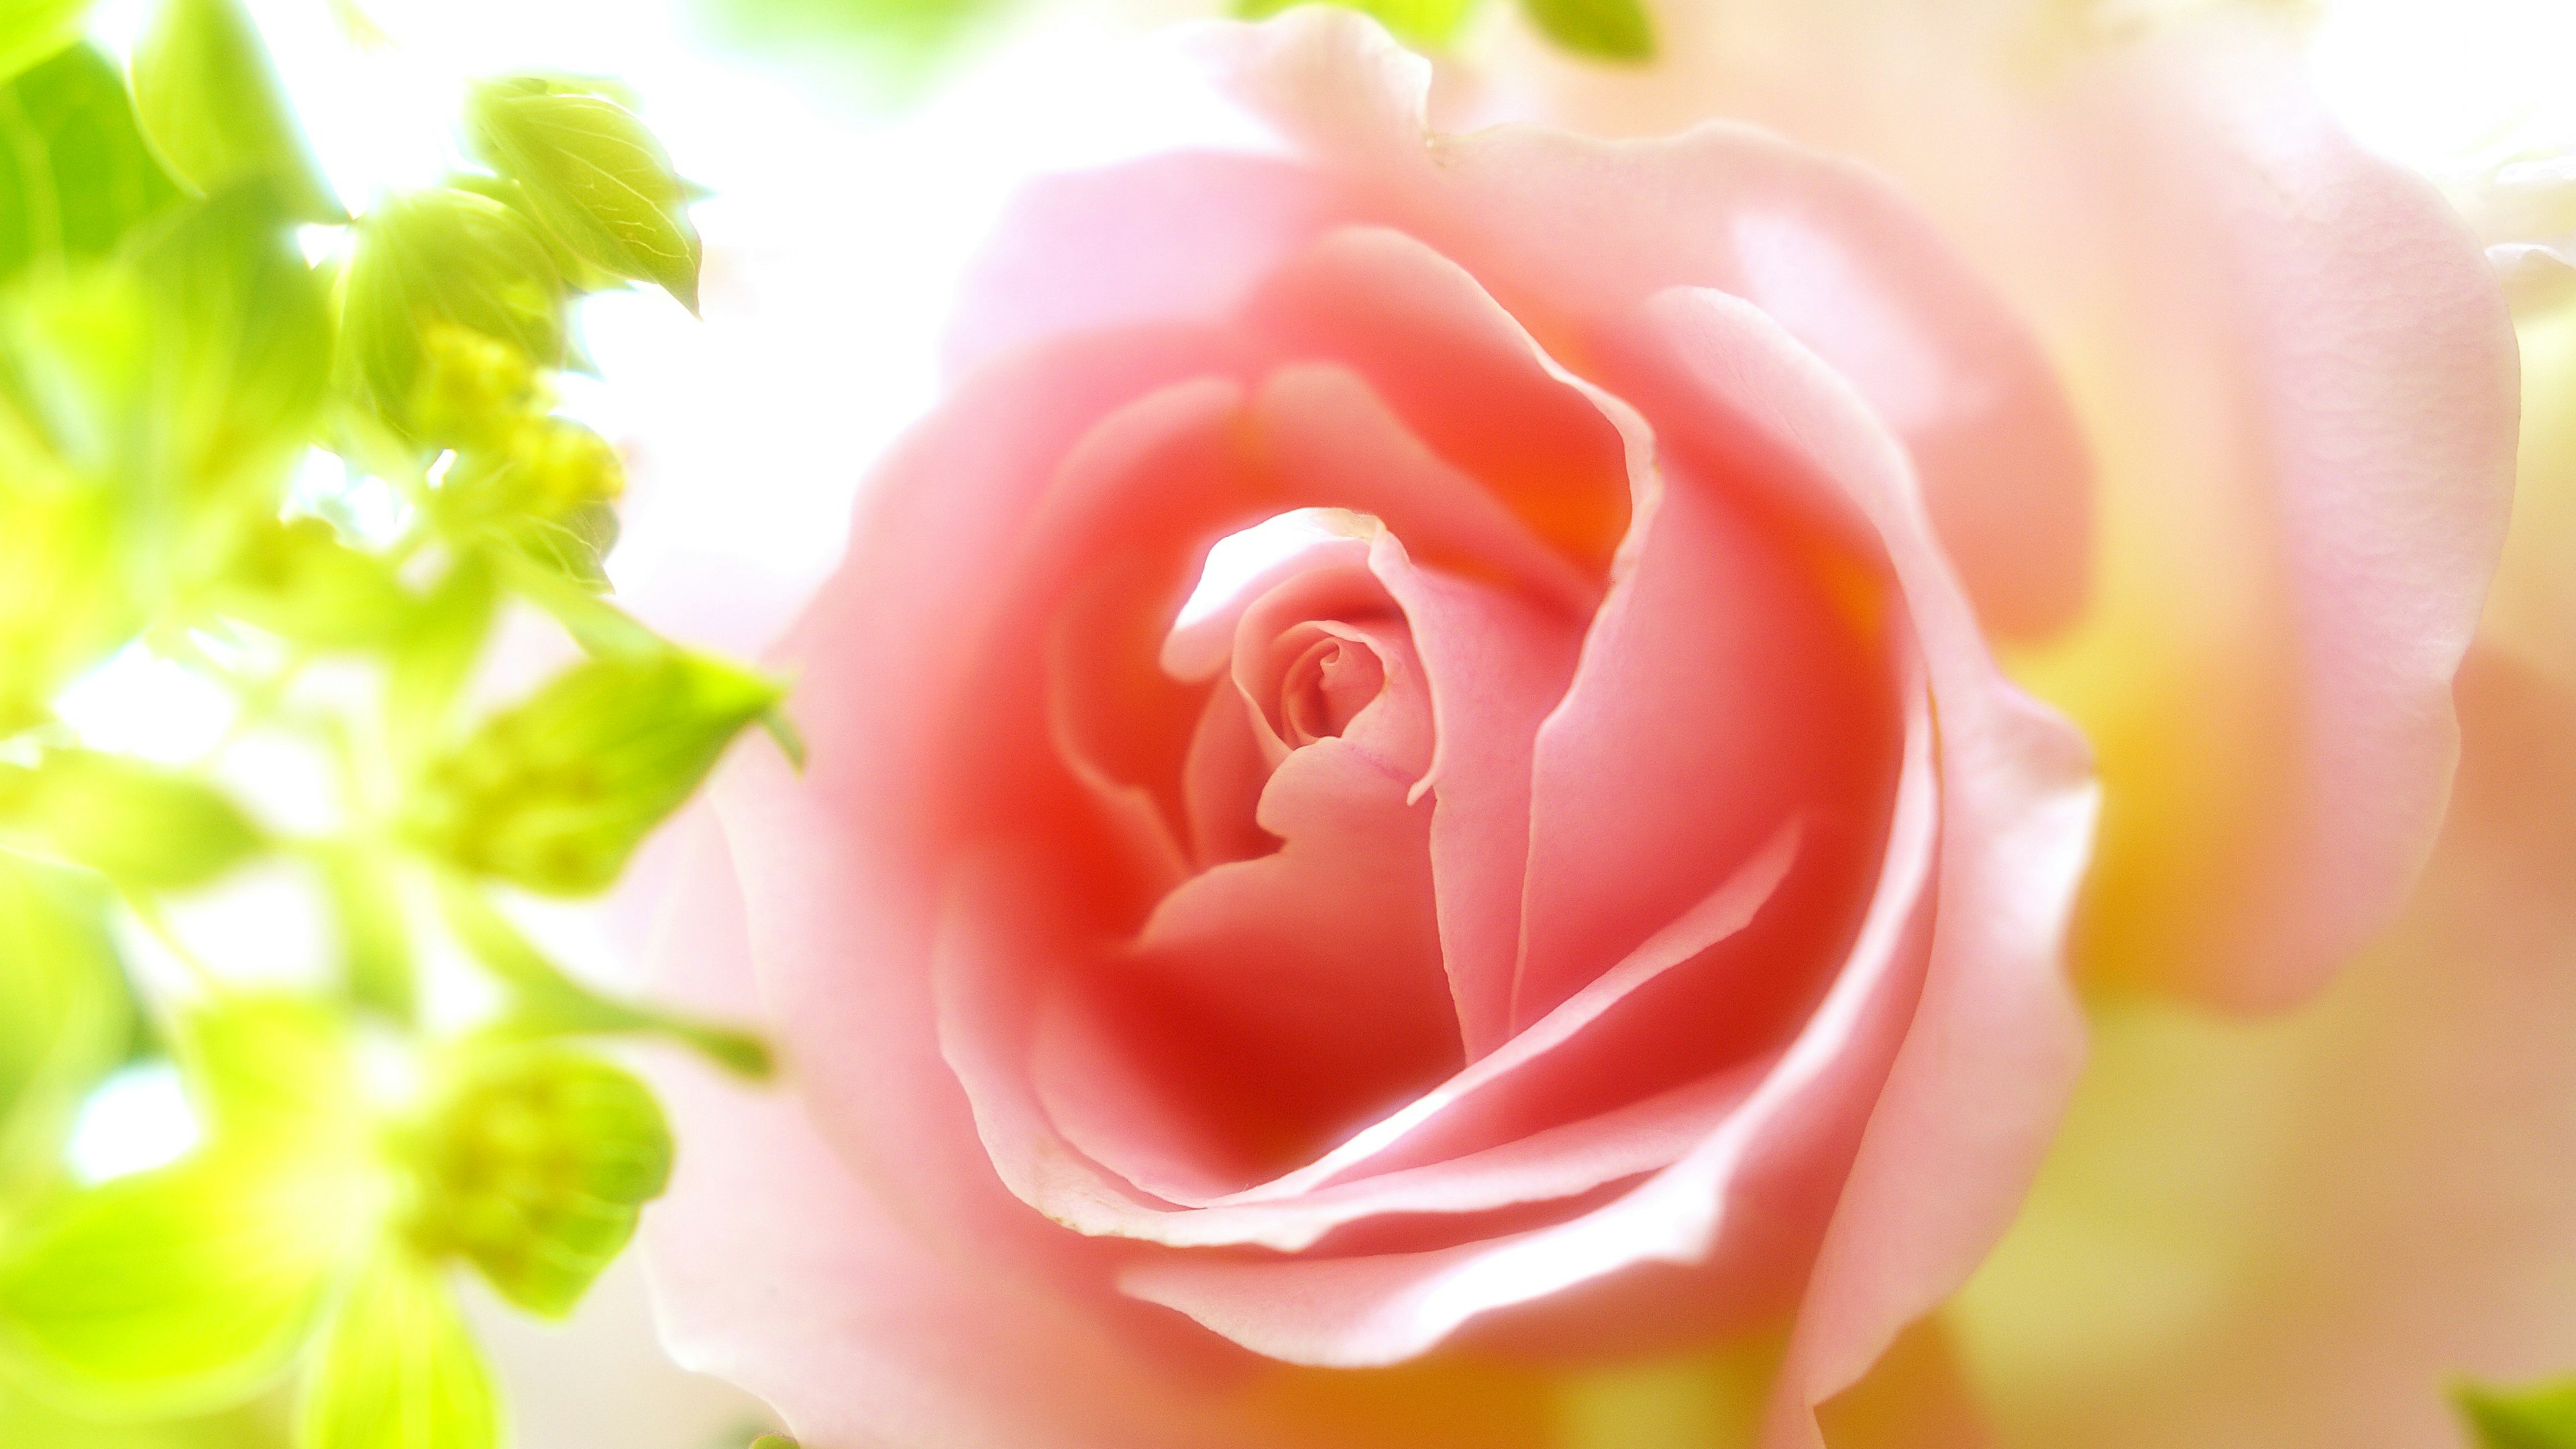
2302	1230
1839	257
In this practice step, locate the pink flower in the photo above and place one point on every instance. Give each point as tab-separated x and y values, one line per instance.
1594	894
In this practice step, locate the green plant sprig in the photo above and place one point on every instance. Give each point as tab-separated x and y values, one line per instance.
170	364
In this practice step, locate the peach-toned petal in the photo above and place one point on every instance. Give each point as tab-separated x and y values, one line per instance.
1358	1311
1496	665
1562	228
1721	693
1990	1054
2299	377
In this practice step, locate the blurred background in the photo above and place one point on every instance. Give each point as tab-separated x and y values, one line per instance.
848	154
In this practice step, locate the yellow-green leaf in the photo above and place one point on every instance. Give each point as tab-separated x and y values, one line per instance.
2535	1416
297	580
64	1011
376	956
37	30
397	1368
174	1291
443	257
139	824
593	175
557	792
213	110
1616	30
1428	23
74	172
243	344
275	1075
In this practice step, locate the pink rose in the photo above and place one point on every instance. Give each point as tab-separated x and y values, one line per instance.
1591	893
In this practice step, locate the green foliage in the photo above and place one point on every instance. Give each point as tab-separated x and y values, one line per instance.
176	1291
534	1164
297	580
1431	23
397	1369
138	824
212	109
592	175
2536	1416
1614	30
243	345
169	361
64	1015
548	1002
889	50
376	954
75	175
555	794
37	30
443	258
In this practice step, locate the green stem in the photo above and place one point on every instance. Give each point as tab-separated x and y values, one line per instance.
550	1003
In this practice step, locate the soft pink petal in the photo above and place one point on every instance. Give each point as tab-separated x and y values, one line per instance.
1990	1054
1172	239
1721	692
1564	228
2300	375
1083	1135
1358	1311
808	1292
1467	378
1496	665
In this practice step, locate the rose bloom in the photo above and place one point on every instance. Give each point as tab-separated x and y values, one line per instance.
1415	835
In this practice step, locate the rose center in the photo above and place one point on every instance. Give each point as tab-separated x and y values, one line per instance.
1330	682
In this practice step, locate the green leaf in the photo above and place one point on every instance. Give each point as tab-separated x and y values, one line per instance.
535	1164
593	175
139	824
1425	23
1615	30
65	1015
37	30
887	52
434	658
213	110
75	175
376	958
275	1076
64	603
443	256
397	1368
2536	1416
556	793
243	330
297	580
175	1291
28	1420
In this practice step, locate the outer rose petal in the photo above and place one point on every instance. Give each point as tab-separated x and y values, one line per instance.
777	1269
1561	227
2300	381
2298	1232
1992	1047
